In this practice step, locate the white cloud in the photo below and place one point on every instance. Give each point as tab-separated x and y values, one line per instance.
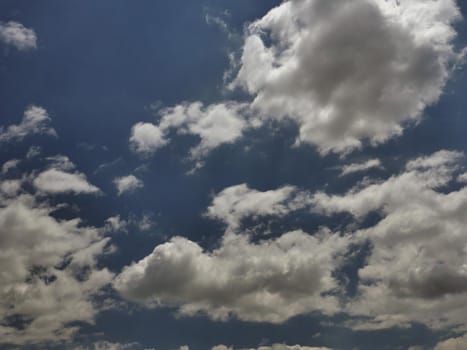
49	273
358	167
35	121
459	343
322	64
146	138
17	35
128	183
417	269
116	224
214	125
238	202
55	181
268	281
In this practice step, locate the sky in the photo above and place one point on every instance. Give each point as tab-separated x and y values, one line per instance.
233	175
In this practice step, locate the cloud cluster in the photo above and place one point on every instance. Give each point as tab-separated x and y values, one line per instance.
348	71
49	276
49	272
214	125
35	121
17	35
417	269
268	281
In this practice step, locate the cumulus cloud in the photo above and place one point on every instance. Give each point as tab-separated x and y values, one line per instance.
459	343
49	273
348	71
358	167
127	184
417	269
56	181
214	125
17	35
35	121
268	281
235	203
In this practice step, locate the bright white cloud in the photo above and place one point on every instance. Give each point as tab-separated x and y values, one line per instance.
238	202
358	167
214	125
322	64
127	184
35	121
417	270
268	281
17	35
55	181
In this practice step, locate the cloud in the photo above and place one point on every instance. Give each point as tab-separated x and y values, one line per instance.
49	273
128	183
453	344
268	281
17	35
106	345
322	65
417	270
235	203
9	165
54	181
35	121
214	125
358	167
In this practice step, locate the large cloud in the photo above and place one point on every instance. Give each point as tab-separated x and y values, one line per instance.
16	34
348	71
49	273
417	270
268	281
459	343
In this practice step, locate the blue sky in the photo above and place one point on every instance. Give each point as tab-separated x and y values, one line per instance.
229	175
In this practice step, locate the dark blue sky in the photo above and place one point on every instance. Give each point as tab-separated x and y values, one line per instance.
101	67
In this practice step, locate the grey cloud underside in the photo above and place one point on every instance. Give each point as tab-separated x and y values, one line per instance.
347	73
416	269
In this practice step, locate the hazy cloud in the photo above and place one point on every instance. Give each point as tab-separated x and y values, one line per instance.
17	35
35	121
127	184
